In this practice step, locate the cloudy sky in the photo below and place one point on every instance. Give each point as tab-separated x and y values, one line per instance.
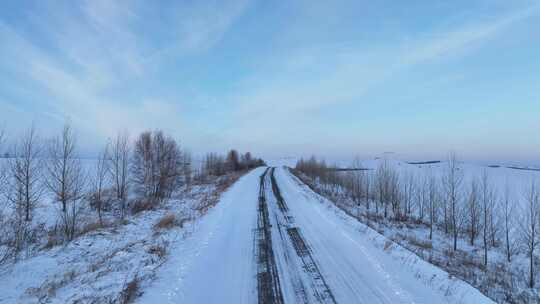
336	78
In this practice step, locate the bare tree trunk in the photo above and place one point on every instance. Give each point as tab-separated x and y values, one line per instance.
24	188
508	215
473	213
3	174
66	178
528	225
101	179
25	167
452	183
432	201
445	209
531	269
157	165
368	192
486	203
119	168
493	218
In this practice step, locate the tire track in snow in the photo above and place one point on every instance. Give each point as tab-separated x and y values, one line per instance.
321	291
291	265
384	295
268	285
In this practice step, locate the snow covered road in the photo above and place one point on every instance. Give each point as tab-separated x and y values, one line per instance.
354	271
269	229
350	258
215	264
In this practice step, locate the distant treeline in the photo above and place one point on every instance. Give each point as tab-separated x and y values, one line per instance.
430	162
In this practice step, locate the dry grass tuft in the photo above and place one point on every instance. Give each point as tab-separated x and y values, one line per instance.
160	250
130	291
388	245
93	226
168	221
141	205
211	199
427	245
52	241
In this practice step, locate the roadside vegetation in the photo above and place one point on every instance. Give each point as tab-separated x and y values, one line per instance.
475	229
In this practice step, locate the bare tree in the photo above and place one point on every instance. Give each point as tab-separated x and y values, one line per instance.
444	207
487	211
395	194
66	178
383	181
388	190
100	181
422	196
3	181
144	165
157	165
367	184
214	165
354	183
233	161
3	174
186	167
119	167
24	190
26	168
473	212
408	193
494	219
452	181
529	227
508	217
433	197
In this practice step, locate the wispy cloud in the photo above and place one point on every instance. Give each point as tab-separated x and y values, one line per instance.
460	39
91	49
343	75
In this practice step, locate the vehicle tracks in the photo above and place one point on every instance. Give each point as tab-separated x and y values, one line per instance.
268	285
321	291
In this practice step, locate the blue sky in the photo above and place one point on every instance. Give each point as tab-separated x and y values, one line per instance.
335	78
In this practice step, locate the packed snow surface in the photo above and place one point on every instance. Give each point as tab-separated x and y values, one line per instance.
214	265
357	267
217	263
